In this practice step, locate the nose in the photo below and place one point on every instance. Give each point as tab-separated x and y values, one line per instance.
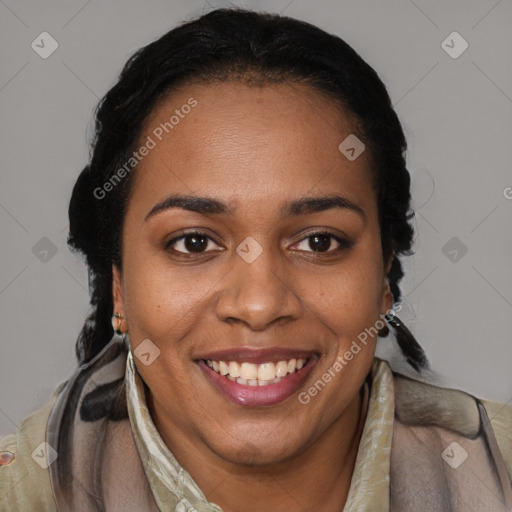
258	293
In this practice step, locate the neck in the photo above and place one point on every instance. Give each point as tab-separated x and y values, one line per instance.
316	479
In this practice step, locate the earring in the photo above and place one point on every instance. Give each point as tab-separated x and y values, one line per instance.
117	324
391	319
385	330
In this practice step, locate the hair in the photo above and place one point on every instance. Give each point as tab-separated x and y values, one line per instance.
253	48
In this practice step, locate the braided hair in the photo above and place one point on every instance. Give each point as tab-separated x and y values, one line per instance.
256	48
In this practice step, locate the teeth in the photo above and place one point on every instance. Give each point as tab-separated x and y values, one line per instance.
251	374
223	368
267	371
248	371
281	369
234	369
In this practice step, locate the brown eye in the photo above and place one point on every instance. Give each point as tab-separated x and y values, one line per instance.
321	242
194	242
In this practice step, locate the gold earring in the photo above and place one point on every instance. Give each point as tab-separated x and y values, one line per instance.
117	324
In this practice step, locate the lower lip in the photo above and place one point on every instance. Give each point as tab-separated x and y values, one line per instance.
254	396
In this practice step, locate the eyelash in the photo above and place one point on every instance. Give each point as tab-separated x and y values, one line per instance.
344	244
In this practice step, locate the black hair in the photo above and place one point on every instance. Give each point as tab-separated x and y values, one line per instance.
254	48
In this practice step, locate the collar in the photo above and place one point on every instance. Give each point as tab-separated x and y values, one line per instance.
175	490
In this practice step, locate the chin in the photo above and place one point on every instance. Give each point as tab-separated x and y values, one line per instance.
261	452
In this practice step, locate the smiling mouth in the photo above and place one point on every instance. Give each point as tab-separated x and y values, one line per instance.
257	377
250	374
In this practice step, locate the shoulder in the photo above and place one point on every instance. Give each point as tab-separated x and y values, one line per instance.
25	482
422	403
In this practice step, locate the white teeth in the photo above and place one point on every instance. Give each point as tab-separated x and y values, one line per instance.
223	368
267	371
252	382
281	369
234	369
250	374
248	371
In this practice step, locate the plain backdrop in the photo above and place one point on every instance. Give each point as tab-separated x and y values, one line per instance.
455	107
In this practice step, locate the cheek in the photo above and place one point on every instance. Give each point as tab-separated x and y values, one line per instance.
348	298
163	301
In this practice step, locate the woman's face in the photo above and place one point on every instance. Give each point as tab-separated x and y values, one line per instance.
256	288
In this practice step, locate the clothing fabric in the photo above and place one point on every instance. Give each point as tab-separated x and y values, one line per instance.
422	448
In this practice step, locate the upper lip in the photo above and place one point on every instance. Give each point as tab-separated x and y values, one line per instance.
258	355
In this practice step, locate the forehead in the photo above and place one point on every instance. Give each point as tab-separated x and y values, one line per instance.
233	140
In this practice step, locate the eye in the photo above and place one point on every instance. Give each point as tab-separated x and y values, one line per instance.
320	242
198	242
193	242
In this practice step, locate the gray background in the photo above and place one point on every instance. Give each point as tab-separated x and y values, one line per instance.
457	114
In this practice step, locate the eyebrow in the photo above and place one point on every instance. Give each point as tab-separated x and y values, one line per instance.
209	205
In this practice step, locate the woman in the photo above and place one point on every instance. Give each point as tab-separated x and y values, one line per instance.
242	217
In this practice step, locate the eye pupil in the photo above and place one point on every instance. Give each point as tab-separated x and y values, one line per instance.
198	243
324	242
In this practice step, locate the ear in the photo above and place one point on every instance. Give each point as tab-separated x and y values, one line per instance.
387	296
117	291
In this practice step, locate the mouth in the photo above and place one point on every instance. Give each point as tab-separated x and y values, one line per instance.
251	380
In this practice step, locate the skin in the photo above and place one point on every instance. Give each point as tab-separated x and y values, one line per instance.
254	148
